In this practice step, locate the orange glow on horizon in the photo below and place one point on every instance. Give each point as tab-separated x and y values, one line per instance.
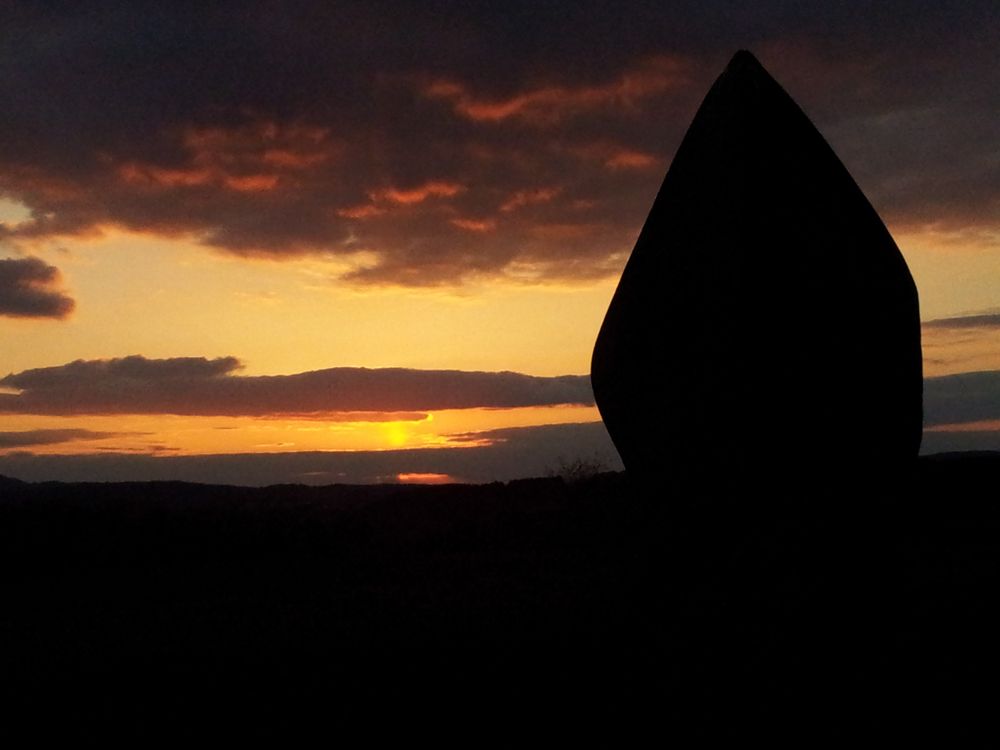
418	478
178	435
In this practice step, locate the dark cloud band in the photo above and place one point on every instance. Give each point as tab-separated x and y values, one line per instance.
964	322
199	386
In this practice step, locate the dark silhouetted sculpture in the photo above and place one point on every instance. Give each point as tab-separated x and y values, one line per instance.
765	316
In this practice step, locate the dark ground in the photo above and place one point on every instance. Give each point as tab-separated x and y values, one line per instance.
575	608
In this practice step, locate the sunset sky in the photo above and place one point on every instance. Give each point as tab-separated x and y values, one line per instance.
213	216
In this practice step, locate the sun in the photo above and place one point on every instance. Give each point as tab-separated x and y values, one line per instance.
396	434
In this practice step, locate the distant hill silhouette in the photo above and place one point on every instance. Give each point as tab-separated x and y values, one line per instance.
765	309
577	607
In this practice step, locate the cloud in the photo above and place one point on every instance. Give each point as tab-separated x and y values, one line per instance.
522	198
627	159
32	438
199	386
29	289
419	193
475	225
963	398
991	320
263	130
123	370
548	105
962	344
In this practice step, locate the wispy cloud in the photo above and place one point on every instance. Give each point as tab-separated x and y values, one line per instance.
548	105
991	320
34	438
419	193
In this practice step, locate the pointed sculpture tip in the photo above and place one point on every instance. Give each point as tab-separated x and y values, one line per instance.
744	62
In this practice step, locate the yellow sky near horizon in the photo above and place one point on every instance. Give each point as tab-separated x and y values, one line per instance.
162	297
169	297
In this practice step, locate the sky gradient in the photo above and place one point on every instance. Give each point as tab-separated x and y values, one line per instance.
393	229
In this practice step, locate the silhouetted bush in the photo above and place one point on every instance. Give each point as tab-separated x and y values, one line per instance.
578	469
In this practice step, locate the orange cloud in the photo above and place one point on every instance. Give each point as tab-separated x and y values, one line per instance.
432	189
549	104
628	159
286	145
403	197
475	225
563	231
529	197
281	157
35	184
243	159
364	211
613	155
136	174
252	183
147	175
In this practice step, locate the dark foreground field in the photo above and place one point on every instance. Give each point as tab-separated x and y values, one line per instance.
575	608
